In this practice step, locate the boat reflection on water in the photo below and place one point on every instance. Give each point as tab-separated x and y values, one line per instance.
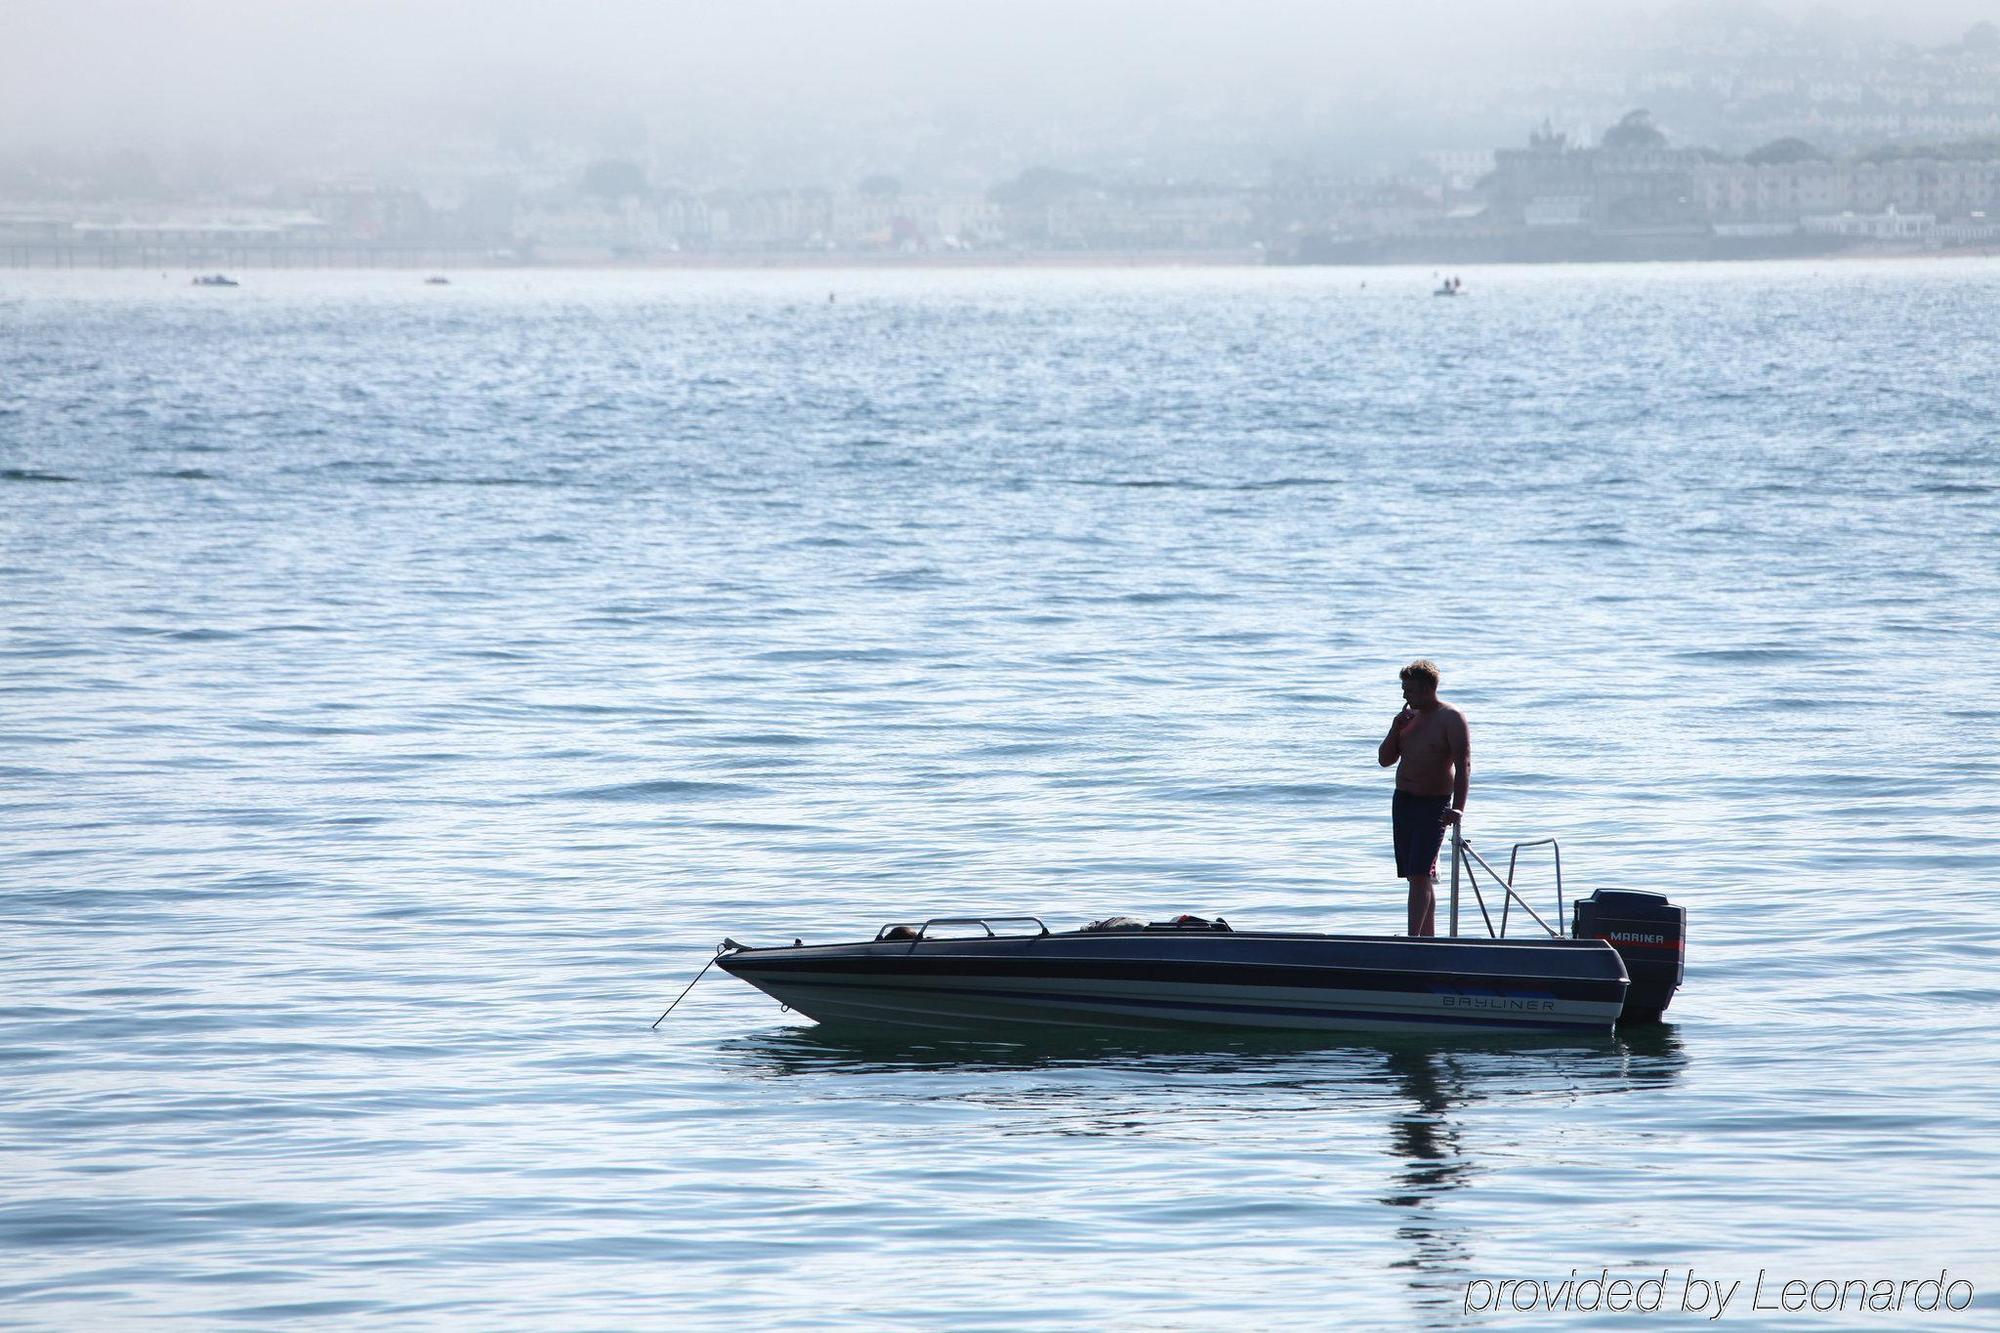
1274	1094
1427	1138
1613	1062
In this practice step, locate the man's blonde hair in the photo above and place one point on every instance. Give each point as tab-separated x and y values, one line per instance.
1422	669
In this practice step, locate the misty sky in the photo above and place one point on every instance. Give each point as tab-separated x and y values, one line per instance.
146	74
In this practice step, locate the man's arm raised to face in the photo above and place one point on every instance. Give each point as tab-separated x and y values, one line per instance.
1391	748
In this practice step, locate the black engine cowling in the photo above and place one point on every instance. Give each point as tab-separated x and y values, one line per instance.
1649	933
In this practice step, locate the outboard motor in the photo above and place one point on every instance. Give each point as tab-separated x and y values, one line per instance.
1649	933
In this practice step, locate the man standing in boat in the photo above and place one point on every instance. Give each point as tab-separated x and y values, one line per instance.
1432	750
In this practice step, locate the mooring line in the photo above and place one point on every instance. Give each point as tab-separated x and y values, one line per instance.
690	986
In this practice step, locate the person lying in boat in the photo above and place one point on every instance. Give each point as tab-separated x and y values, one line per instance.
1431	747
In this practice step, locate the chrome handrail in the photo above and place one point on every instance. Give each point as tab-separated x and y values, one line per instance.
984	922
1561	914
1509	896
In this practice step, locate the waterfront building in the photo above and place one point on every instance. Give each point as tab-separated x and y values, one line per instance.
587	230
1526	180
1552	182
1461	169
1888	225
1747	192
365	211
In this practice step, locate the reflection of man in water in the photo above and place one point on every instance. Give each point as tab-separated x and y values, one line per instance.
1432	750
1423	1133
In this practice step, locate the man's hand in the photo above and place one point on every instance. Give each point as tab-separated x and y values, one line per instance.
1450	817
1403	721
1391	748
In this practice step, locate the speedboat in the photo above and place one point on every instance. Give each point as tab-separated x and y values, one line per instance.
1169	975
1622	961
215	280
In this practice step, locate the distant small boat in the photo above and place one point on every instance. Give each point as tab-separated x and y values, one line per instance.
437	282
215	280
1450	287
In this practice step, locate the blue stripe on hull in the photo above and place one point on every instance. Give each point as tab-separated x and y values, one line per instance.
894	1005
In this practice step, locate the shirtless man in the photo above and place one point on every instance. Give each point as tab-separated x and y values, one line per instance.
1432	750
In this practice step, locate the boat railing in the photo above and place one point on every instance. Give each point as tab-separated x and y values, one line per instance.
986	923
1462	853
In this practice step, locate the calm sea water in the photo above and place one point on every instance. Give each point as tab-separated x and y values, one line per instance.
406	687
